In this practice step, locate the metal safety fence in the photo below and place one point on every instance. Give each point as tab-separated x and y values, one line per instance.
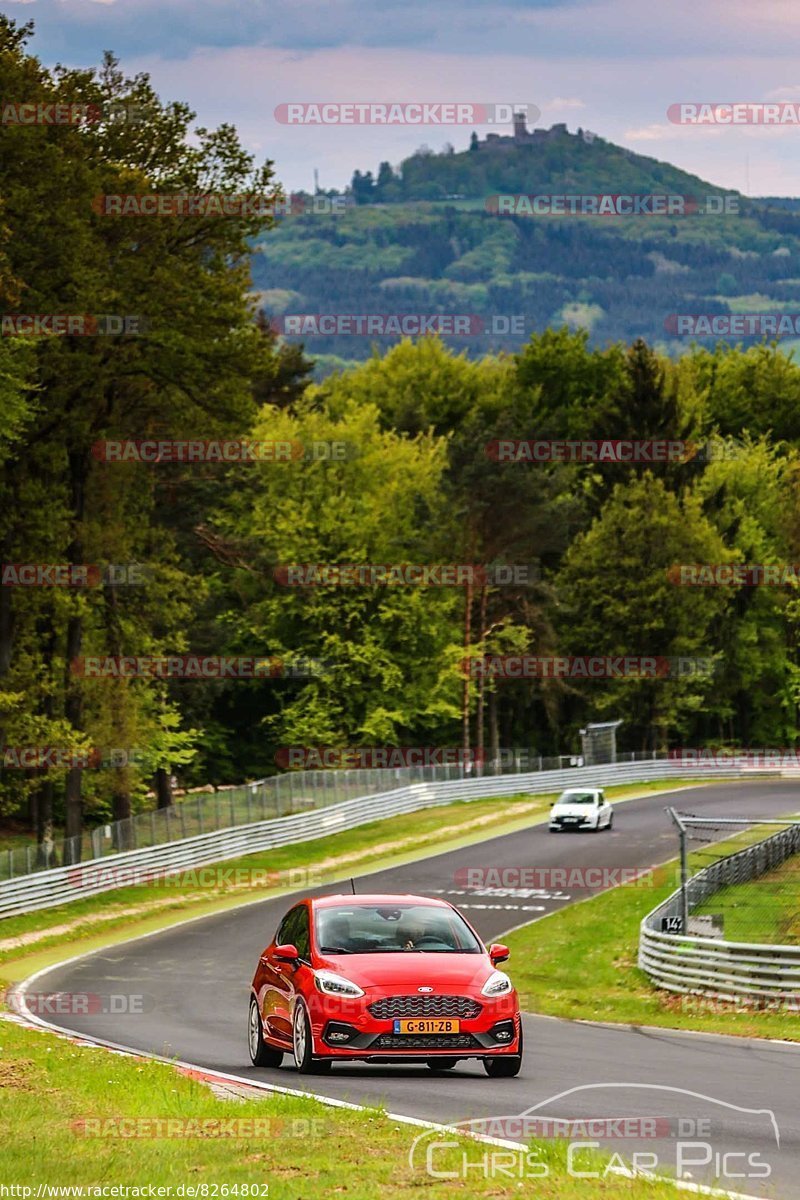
711	966
276	796
299	823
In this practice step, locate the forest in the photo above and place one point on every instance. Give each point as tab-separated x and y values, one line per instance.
115	553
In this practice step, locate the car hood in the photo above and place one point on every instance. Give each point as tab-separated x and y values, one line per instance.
407	970
573	810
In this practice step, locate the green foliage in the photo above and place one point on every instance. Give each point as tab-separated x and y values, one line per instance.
595	544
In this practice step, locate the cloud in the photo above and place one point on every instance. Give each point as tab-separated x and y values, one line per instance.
563	104
615	64
650	133
783	93
79	30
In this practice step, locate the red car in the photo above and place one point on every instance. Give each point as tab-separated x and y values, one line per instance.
382	979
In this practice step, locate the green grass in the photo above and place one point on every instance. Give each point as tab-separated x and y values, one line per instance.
49	1085
67	1117
14	838
580	963
766	909
379	844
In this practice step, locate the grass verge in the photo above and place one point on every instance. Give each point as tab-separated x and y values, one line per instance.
580	963
764	909
50	1085
81	1117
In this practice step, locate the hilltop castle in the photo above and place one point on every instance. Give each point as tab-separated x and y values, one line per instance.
523	137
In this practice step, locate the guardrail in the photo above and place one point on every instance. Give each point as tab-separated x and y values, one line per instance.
682	962
62	884
224	808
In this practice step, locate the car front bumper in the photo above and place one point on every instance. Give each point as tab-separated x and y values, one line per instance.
352	1032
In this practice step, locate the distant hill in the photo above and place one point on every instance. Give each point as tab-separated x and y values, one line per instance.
424	240
526	161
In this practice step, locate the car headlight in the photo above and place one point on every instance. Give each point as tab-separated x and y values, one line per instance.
331	984
498	984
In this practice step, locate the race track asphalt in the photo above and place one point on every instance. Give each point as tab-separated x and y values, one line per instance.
195	979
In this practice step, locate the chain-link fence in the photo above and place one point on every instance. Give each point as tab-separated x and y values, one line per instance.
277	796
733	932
752	895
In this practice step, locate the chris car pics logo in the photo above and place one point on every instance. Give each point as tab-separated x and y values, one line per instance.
647	1130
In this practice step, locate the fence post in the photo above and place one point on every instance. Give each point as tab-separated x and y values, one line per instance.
200	814
29	868
152	827
183	820
11	864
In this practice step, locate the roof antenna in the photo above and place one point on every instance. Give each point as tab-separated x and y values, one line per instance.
353	886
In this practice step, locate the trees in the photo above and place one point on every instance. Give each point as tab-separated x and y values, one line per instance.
617	596
417	483
388	653
188	372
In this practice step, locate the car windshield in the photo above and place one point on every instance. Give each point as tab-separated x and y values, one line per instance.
577	798
393	928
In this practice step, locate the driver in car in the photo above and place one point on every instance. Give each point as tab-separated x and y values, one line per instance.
432	935
412	933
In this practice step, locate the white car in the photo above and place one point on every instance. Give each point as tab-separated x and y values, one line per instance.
581	808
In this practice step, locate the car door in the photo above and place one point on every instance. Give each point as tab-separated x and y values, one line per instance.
605	808
294	930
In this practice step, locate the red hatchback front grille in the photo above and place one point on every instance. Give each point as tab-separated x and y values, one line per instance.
425	1006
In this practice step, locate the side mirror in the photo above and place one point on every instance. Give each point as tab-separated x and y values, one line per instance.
552	802
287	953
498	953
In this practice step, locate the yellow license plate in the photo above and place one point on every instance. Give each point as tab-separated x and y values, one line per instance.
426	1025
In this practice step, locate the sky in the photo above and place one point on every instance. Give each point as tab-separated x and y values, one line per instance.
611	66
